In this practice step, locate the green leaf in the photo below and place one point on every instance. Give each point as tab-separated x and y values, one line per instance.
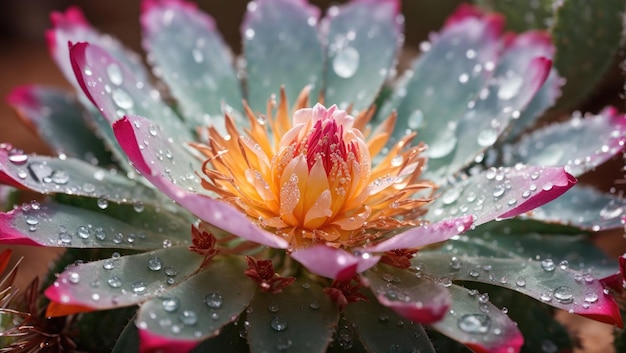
124	281
275	33
536	321
61	121
416	298
358	65
587	35
193	59
574	251
48	175
93	325
201	305
58	225
584	207
301	318
580	144
232	338
552	283
478	324
380	329
128	341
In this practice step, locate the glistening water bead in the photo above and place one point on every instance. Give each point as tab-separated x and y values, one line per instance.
214	300
474	323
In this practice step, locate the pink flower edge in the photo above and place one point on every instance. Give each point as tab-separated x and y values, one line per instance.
11	236
334	263
561	182
152	343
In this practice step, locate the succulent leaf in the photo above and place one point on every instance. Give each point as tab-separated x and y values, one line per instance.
300	318
281	48
190	55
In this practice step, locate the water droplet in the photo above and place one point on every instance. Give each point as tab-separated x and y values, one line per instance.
65	238
188	317
510	87
563	294
416	119
397	161
122	99
155	263
442	147
474	274
455	263
171	304
278	324
546	297
450	196
591	298
139	287
611	210
346	62
315	305
520	282
73	277
214	300
487	137
115	282
138	206
273	308
197	55
115	74
59	177
548	265
18	157
100	233
83	232
102	203
31	220
474	323
170	271
108	265
249	34
498	191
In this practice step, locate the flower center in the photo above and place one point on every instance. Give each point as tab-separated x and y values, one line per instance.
310	178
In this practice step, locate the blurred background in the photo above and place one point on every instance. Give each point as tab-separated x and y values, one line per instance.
24	60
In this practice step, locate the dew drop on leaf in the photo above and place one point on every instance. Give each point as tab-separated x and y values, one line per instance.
563	294
474	323
548	265
139	287
278	324
188	317
114	282
214	300
170	305
155	263
114	73
346	62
